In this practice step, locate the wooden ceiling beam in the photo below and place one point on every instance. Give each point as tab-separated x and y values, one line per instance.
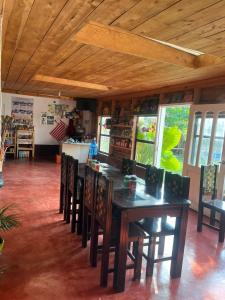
115	39
37	94
63	81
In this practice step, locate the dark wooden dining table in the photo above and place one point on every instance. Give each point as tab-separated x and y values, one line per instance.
132	203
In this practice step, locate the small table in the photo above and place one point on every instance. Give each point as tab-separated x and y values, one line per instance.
133	206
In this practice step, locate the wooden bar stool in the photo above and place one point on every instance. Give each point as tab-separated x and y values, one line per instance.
71	195
104	219
88	203
63	182
77	207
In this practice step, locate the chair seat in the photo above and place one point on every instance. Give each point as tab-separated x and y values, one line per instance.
156	227
134	232
216	204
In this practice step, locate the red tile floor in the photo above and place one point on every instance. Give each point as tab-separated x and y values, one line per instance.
42	260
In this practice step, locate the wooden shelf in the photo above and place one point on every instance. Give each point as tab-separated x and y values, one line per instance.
120	148
121	137
122	125
25	141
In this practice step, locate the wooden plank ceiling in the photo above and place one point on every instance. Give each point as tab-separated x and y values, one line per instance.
39	39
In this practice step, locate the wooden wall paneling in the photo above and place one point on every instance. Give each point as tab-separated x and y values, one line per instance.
14	20
7	8
94	14
49	46
179	18
212	95
72	12
93	64
33	32
141	12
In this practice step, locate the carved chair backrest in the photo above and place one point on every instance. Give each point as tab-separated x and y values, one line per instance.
176	187
128	166
154	181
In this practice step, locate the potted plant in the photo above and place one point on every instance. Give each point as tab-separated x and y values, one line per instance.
7	221
7	124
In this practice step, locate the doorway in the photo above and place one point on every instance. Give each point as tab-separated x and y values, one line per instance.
205	145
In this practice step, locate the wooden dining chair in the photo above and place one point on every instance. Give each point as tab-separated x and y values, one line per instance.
88	203
77	207
176	188
207	199
73	200
63	182
71	190
128	166
105	219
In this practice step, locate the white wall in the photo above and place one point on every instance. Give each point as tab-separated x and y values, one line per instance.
41	132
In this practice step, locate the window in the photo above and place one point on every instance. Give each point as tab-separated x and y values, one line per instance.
196	134
104	139
206	138
145	140
219	138
174	132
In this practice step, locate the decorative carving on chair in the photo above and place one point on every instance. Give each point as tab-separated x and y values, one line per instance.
128	167
89	182
154	180
64	168
101	200
209	179
176	187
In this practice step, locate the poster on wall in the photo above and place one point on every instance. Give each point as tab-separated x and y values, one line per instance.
47	119
58	109
22	111
50	120
44	118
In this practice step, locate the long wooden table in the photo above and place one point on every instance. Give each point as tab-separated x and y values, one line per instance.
135	204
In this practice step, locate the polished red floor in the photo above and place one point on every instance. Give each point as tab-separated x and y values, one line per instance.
42	260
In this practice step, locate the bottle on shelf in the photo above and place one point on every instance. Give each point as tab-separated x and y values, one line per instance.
93	150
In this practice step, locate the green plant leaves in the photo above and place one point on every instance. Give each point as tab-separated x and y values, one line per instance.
8	221
171	138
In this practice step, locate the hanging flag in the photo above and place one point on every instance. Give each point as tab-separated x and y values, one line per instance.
59	131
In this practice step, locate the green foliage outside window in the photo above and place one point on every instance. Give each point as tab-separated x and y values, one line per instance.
174	137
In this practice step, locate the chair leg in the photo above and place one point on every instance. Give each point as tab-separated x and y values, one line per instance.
105	260
138	259
80	214
200	217
65	203
222	228
161	245
68	207
85	228
73	220
94	244
151	256
212	217
61	199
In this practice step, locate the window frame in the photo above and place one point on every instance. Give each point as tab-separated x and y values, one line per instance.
144	141
103	134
